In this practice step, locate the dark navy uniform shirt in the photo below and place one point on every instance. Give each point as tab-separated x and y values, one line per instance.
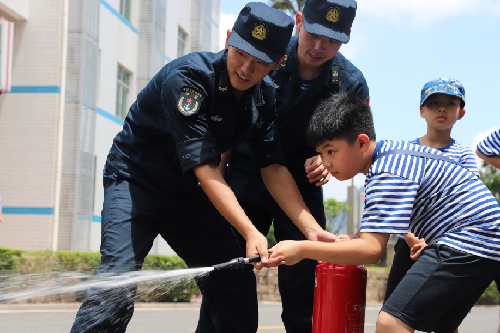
188	115
295	107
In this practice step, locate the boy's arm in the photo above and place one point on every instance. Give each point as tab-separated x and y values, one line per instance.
364	250
282	187
495	160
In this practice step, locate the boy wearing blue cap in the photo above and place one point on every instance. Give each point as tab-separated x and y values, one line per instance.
409	188
312	71
442	103
162	178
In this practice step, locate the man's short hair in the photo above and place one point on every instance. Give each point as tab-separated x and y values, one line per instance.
341	116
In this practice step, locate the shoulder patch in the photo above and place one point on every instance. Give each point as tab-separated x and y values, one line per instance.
189	101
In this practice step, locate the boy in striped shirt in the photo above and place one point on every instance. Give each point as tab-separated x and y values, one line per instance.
408	188
489	149
442	103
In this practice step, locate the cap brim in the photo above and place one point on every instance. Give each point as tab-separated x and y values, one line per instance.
268	57
316	28
442	92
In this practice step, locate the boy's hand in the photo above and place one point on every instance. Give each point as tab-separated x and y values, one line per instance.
416	249
411	239
287	252
315	170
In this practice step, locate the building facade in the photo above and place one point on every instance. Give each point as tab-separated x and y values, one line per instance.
77	66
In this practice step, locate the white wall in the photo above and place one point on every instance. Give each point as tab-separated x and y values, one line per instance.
28	126
178	15
18	9
118	44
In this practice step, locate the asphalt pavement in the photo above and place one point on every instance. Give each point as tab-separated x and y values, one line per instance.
182	317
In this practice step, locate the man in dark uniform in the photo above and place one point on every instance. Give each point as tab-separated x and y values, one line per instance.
312	71
162	176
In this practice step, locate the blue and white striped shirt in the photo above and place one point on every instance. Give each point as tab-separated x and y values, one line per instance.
437	200
490	146
459	153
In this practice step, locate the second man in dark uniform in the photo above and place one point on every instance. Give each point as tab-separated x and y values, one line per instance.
312	71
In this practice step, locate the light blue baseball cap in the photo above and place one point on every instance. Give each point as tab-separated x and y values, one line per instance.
442	85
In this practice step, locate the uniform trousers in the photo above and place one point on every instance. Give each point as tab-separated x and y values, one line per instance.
296	282
133	215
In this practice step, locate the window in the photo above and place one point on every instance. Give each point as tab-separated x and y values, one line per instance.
125	9
122	90
1	62
181	43
6	42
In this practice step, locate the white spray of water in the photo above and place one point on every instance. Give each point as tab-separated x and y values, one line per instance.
59	285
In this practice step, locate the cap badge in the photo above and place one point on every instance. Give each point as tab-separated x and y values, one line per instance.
333	15
259	32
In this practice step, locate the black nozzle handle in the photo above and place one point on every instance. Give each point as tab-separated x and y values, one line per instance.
252	259
237	262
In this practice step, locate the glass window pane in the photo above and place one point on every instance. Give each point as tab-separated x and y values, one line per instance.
181	42
126	77
0	48
118	99
124	103
126	9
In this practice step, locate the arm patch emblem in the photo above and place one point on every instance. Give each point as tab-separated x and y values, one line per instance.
189	101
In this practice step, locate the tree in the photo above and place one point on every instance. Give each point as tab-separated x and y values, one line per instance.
491	178
290	6
336	215
271	240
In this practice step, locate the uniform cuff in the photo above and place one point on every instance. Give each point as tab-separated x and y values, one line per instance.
266	153
198	151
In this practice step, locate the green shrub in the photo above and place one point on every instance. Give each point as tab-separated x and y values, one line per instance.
9	259
490	296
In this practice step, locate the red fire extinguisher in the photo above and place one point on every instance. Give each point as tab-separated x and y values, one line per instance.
339	298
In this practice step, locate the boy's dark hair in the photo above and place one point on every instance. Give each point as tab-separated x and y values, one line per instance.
341	116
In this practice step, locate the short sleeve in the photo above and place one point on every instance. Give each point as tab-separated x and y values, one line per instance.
184	100
490	146
352	79
468	160
389	203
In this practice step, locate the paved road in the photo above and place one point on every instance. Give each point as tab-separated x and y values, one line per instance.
179	318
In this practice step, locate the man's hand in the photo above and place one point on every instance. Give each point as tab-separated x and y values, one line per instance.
316	171
257	244
321	236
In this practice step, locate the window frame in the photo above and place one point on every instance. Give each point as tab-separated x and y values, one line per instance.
181	42
125	9
122	91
